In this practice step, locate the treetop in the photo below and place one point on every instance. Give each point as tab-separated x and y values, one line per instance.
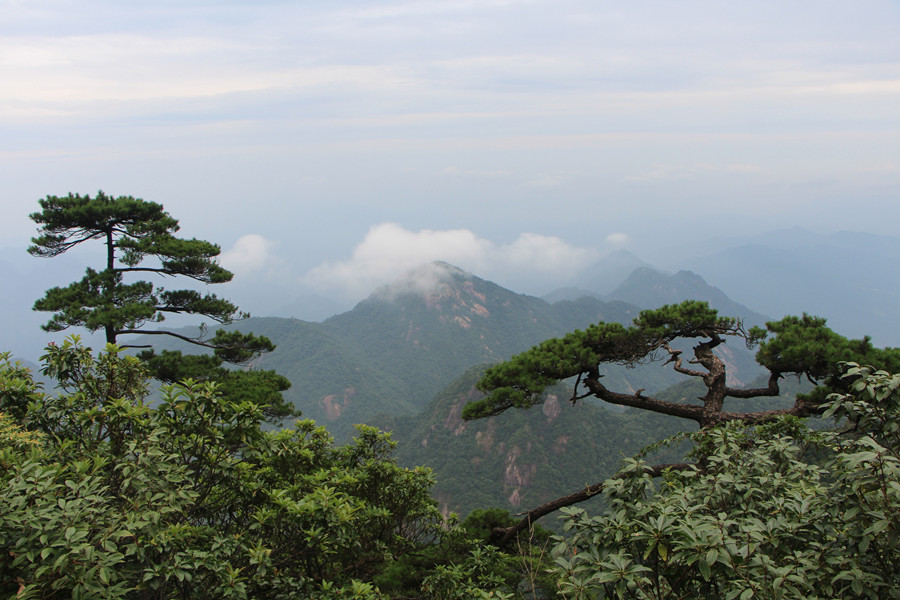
67	221
133	229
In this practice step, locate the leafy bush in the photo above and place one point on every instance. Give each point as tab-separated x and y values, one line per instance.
770	511
105	496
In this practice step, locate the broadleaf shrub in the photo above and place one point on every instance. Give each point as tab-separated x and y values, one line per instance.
770	511
104	495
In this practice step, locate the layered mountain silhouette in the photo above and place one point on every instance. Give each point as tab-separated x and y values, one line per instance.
601	278
844	277
650	288
646	286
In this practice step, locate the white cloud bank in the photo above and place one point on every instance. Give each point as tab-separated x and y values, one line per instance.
532	263
250	254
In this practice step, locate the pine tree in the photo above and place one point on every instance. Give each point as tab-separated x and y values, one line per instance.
794	346
140	239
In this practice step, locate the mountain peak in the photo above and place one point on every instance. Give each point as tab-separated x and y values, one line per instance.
610	271
649	288
426	279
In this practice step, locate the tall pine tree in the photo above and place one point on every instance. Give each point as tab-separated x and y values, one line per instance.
140	240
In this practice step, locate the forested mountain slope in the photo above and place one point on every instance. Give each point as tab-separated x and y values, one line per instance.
523	458
406	342
397	349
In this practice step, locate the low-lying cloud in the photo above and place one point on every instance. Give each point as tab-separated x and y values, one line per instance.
617	240
532	263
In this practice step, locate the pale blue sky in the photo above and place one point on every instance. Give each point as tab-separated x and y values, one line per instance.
337	142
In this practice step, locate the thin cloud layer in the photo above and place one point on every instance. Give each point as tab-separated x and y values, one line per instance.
648	117
389	251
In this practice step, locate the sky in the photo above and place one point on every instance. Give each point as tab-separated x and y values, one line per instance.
328	146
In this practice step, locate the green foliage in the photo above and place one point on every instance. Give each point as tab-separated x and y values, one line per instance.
469	580
870	405
106	496
806	346
134	230
772	511
137	230
520	382
481	522
689	319
795	345
456	568
262	387
17	389
525	565
138	227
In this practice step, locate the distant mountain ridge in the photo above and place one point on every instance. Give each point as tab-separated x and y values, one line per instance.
401	346
650	288
610	272
845	277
